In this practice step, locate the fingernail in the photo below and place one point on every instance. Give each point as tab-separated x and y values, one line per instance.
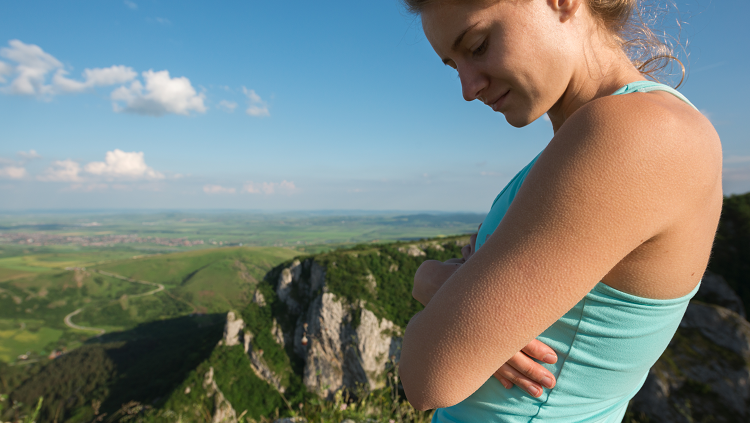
507	385
550	358
547	382
534	391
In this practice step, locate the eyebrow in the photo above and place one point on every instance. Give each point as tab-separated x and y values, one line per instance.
458	40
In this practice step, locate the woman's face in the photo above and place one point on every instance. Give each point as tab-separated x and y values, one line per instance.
513	55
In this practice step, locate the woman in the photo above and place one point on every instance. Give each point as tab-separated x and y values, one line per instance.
597	245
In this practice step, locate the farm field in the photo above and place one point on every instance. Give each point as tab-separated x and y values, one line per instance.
65	278
154	232
119	294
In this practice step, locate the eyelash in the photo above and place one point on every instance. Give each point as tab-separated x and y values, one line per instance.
480	50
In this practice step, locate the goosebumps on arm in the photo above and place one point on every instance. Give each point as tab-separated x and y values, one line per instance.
575	217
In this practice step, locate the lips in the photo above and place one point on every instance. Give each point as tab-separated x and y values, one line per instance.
498	102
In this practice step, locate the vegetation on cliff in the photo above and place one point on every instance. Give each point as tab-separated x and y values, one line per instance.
731	254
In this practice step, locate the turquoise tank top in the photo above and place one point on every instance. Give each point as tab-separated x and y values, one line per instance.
605	344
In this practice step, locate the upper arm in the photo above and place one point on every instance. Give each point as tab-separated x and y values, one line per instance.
610	180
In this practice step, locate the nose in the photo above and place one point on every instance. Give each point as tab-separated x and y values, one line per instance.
473	83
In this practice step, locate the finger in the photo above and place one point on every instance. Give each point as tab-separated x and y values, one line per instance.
506	383
466	251
531	370
541	351
516	378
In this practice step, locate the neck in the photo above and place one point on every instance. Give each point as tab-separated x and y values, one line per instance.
611	69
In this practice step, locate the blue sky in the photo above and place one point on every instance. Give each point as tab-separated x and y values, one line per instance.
292	105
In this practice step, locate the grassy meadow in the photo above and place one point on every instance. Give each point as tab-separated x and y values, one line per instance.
104	266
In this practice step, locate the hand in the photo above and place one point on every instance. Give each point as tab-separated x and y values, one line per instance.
526	373
469	249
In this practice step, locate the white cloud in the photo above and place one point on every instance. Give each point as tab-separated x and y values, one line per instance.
121	164
218	189
33	66
163	21
12	172
5	70
268	188
97	77
258	107
62	171
29	155
229	106
131	5
162	95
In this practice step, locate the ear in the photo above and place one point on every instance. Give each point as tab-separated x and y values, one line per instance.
566	9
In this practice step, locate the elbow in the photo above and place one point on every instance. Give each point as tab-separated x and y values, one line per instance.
423	393
417	396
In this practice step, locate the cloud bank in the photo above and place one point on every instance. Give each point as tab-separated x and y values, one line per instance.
117	165
31	71
13	172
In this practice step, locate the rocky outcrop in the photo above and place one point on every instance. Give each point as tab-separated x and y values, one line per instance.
412	250
704	375
232	330
343	345
348	346
223	411
715	290
234	335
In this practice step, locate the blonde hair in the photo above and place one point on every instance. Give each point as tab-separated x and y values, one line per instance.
631	29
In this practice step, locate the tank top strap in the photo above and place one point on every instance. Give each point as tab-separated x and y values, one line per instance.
648	86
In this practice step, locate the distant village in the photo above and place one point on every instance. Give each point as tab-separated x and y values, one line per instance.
39	239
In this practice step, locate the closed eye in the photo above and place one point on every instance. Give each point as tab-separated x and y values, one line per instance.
481	49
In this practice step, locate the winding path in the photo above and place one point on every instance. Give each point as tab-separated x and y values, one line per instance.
69	322
75	326
159	286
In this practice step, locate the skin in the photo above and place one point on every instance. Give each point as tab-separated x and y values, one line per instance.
628	191
521	370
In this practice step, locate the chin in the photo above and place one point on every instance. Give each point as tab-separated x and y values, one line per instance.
518	121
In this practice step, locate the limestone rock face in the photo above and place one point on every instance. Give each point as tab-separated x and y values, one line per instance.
223	411
340	355
259	299
317	278
715	290
261	369
373	345
705	373
234	335
232	330
283	290
324	353
412	250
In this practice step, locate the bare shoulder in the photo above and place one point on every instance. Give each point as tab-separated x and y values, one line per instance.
655	138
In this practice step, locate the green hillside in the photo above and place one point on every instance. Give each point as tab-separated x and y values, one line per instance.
33	308
209	280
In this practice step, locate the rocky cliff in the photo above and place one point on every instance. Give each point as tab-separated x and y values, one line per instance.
704	374
334	322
